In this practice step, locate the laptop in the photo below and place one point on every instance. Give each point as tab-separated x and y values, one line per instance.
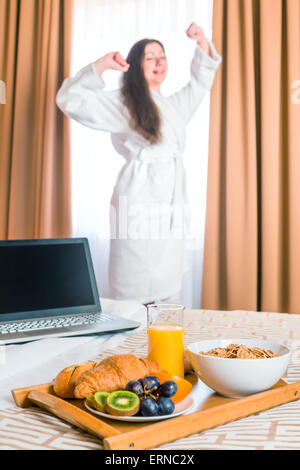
48	288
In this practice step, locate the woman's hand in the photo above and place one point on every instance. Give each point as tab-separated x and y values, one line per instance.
195	32
113	61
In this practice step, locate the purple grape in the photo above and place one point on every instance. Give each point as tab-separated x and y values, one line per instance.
167	389
149	407
150	382
165	406
135	387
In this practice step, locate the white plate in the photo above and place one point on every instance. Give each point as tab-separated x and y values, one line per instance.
180	408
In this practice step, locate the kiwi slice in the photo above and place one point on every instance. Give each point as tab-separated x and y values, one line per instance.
99	400
122	403
90	401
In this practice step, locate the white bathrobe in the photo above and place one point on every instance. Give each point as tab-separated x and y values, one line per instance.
149	207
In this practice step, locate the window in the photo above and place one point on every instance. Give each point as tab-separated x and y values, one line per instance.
101	26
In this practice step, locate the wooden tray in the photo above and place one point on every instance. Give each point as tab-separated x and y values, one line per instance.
213	411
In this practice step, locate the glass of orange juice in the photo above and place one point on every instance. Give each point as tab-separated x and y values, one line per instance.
166	337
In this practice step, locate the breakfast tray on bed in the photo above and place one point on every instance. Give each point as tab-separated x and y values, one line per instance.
212	410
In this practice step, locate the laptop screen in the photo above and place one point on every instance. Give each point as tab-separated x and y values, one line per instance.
46	277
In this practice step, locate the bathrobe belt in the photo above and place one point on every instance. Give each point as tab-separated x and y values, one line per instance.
178	197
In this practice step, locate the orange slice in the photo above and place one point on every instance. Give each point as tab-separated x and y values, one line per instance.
183	386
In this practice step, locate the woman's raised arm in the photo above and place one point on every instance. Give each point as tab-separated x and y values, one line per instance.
203	69
83	98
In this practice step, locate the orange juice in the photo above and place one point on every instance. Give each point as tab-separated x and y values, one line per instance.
166	347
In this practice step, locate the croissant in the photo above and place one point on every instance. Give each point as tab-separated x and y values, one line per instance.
108	375
64	382
113	374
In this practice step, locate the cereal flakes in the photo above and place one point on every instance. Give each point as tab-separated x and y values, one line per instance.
235	351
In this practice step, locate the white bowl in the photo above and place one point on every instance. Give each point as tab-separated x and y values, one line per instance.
237	378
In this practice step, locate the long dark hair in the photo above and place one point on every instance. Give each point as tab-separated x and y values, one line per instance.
144	114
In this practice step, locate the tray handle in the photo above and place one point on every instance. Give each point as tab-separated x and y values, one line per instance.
166	431
72	414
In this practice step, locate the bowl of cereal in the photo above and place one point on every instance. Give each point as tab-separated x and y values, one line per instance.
237	367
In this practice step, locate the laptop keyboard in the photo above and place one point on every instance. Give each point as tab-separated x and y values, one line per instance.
56	322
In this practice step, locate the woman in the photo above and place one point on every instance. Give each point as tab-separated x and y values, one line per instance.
148	205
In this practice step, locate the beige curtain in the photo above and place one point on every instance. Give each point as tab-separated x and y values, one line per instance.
252	242
35	176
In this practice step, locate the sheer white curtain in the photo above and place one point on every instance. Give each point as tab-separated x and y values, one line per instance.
102	26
